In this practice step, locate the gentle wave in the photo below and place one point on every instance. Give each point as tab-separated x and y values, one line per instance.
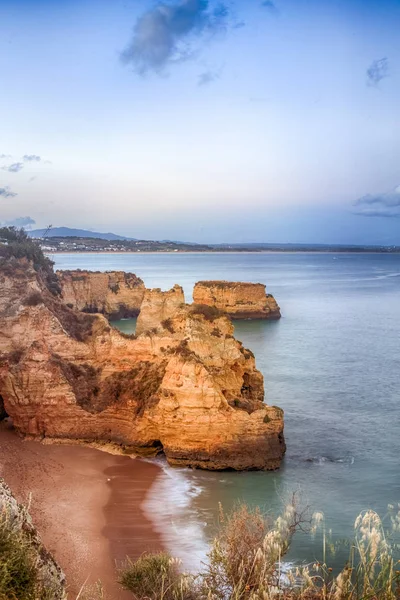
320	460
169	506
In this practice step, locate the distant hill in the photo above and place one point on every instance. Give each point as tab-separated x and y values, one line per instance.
68	232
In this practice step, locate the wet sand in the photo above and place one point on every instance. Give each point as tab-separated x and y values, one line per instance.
86	505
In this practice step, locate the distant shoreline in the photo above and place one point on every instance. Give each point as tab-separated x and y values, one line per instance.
333	251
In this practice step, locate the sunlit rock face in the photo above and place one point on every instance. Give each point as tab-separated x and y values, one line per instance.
184	385
114	293
238	300
158	306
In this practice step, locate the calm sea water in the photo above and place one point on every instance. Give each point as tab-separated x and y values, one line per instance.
332	363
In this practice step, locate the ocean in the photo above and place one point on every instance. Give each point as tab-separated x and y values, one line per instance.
332	363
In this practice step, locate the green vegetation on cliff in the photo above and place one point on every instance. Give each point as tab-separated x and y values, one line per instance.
15	244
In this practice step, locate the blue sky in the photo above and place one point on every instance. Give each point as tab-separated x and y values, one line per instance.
212	121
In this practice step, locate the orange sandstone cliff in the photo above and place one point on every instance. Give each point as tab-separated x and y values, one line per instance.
114	293
238	300
158	307
184	386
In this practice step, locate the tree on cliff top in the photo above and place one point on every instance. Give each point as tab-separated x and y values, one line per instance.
15	243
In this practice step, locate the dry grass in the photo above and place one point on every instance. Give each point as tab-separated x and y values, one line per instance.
20	577
157	577
246	557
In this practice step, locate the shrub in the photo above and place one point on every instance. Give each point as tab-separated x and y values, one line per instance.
216	332
91	310
168	324
141	383
13	357
210	313
127	336
20	245
156	577
33	299
20	577
245	562
184	351
84	381
77	324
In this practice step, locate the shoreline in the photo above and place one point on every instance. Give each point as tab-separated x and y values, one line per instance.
87	506
240	252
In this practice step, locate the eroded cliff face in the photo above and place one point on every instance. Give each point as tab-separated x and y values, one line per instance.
237	299
184	385
114	293
158	306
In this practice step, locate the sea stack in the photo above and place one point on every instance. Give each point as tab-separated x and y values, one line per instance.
238	300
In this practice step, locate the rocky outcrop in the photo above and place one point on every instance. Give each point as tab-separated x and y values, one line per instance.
184	385
237	300
114	294
45	576
158	307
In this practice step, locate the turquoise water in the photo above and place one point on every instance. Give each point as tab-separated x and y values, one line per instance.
332	363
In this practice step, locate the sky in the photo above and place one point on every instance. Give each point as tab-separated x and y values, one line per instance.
203	120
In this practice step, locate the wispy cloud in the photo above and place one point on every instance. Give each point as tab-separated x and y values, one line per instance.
14	168
25	222
379	205
5	192
2	156
31	158
268	4
378	70
162	36
208	77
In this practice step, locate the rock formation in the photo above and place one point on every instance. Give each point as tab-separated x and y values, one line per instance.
115	294
15	518
184	386
237	300
158	307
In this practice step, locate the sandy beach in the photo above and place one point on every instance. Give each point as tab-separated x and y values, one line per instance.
86	505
